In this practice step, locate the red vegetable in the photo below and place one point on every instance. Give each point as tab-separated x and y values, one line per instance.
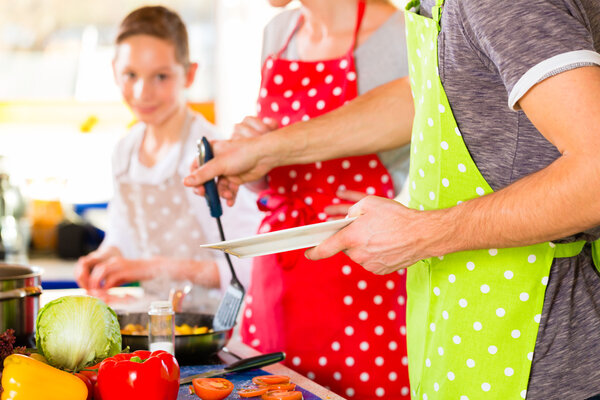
282	395
139	375
265	380
254	392
88	384
212	388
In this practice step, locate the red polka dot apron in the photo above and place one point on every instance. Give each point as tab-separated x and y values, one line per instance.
339	325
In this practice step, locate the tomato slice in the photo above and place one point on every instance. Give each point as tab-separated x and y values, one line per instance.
212	388
265	380
282	395
282	386
254	392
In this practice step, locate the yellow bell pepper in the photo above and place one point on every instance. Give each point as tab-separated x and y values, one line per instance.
27	379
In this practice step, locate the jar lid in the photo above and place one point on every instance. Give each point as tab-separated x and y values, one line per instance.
161	306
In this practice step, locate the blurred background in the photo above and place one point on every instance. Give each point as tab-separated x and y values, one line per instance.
61	113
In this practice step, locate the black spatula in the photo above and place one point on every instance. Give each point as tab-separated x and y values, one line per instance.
234	295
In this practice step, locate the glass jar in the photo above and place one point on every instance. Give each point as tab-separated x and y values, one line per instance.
161	327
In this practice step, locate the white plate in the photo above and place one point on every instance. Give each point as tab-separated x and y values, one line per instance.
279	241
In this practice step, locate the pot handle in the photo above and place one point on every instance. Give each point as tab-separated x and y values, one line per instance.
21	292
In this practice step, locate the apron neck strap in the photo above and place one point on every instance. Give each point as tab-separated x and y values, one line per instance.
185	133
360	12
436	12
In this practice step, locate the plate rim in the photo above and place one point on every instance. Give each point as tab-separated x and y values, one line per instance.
228	244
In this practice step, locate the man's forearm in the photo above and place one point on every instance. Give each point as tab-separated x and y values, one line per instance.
378	120
559	201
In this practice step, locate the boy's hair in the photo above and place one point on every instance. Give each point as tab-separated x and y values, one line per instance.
160	22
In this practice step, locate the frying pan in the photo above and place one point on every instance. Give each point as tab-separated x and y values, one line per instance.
189	349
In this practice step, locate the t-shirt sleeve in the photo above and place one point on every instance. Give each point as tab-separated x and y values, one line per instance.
277	31
527	41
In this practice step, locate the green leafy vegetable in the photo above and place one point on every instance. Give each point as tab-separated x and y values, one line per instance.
74	332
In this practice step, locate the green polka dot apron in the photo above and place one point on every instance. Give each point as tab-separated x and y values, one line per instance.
472	317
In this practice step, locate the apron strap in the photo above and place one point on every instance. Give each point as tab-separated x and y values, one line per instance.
359	17
572	249
436	12
360	13
596	253
564	250
185	133
299	22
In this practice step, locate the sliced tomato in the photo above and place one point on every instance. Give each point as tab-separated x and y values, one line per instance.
212	388
282	395
265	380
254	392
282	386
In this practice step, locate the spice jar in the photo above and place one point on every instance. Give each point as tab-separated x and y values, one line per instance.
161	327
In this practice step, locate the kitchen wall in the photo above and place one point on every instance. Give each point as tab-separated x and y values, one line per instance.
60	113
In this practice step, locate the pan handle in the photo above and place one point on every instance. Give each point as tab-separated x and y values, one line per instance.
21	292
255	362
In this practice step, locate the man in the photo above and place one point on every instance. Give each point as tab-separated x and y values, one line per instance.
503	204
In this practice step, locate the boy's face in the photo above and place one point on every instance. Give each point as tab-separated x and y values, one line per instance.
150	78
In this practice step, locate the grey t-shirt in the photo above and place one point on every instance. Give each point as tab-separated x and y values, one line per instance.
379	59
487	49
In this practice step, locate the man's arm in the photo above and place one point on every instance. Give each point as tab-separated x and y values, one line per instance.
378	120
557	201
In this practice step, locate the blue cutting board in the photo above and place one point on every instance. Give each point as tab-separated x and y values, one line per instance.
239	379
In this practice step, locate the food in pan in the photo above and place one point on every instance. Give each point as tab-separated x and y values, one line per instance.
185	329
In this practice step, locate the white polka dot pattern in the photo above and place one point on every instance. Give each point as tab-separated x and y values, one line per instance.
373	331
478	311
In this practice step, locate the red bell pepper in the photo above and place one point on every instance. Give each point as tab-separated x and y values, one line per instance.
139	375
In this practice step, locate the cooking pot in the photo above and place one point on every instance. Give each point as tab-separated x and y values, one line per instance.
189	349
20	289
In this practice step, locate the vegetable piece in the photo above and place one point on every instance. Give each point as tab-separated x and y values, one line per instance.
281	386
25	378
254	392
212	388
282	395
139	375
265	380
73	332
88	384
91	372
7	346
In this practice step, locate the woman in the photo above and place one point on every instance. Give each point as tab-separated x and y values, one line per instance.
339	325
155	224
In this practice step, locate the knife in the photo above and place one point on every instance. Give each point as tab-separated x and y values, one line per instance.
241	365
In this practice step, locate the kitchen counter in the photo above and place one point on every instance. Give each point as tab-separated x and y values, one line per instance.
244	351
234	346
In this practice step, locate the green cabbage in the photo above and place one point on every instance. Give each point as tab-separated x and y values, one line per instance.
74	332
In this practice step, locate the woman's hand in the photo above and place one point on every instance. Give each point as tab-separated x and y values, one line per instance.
338	211
253	127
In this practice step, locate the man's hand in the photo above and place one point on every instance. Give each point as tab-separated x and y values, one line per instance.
384	238
236	162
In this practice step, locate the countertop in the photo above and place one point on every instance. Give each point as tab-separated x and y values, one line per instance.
124	294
